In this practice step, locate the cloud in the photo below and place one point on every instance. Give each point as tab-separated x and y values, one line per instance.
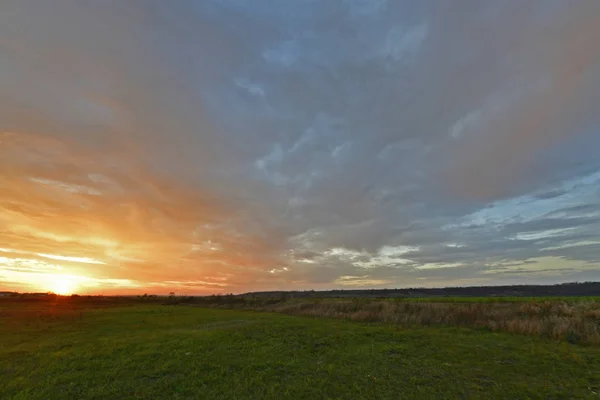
221	146
553	102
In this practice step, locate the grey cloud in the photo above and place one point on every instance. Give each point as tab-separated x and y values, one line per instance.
589	253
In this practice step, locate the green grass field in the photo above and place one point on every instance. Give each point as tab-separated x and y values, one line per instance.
499	299
572	319
65	351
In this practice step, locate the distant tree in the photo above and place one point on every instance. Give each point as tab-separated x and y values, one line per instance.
172	294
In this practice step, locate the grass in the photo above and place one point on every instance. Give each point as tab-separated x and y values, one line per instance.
575	319
501	299
61	350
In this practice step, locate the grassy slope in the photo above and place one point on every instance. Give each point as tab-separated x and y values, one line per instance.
184	352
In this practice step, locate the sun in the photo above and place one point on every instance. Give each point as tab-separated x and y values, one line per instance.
63	285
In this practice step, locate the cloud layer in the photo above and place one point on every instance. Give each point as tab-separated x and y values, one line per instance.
216	146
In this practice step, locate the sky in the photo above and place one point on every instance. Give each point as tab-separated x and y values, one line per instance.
217	146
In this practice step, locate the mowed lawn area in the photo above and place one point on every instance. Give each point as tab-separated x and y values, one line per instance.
57	350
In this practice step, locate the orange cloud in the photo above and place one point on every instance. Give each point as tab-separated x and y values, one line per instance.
62	207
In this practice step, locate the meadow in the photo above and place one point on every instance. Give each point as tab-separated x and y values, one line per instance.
68	349
573	319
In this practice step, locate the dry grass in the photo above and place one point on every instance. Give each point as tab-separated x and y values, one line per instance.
576	322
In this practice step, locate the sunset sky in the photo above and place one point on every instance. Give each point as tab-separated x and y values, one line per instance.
217	146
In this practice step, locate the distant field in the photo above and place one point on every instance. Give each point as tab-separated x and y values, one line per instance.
501	299
573	319
64	350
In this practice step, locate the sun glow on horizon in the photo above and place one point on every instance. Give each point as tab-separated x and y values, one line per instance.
63	285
